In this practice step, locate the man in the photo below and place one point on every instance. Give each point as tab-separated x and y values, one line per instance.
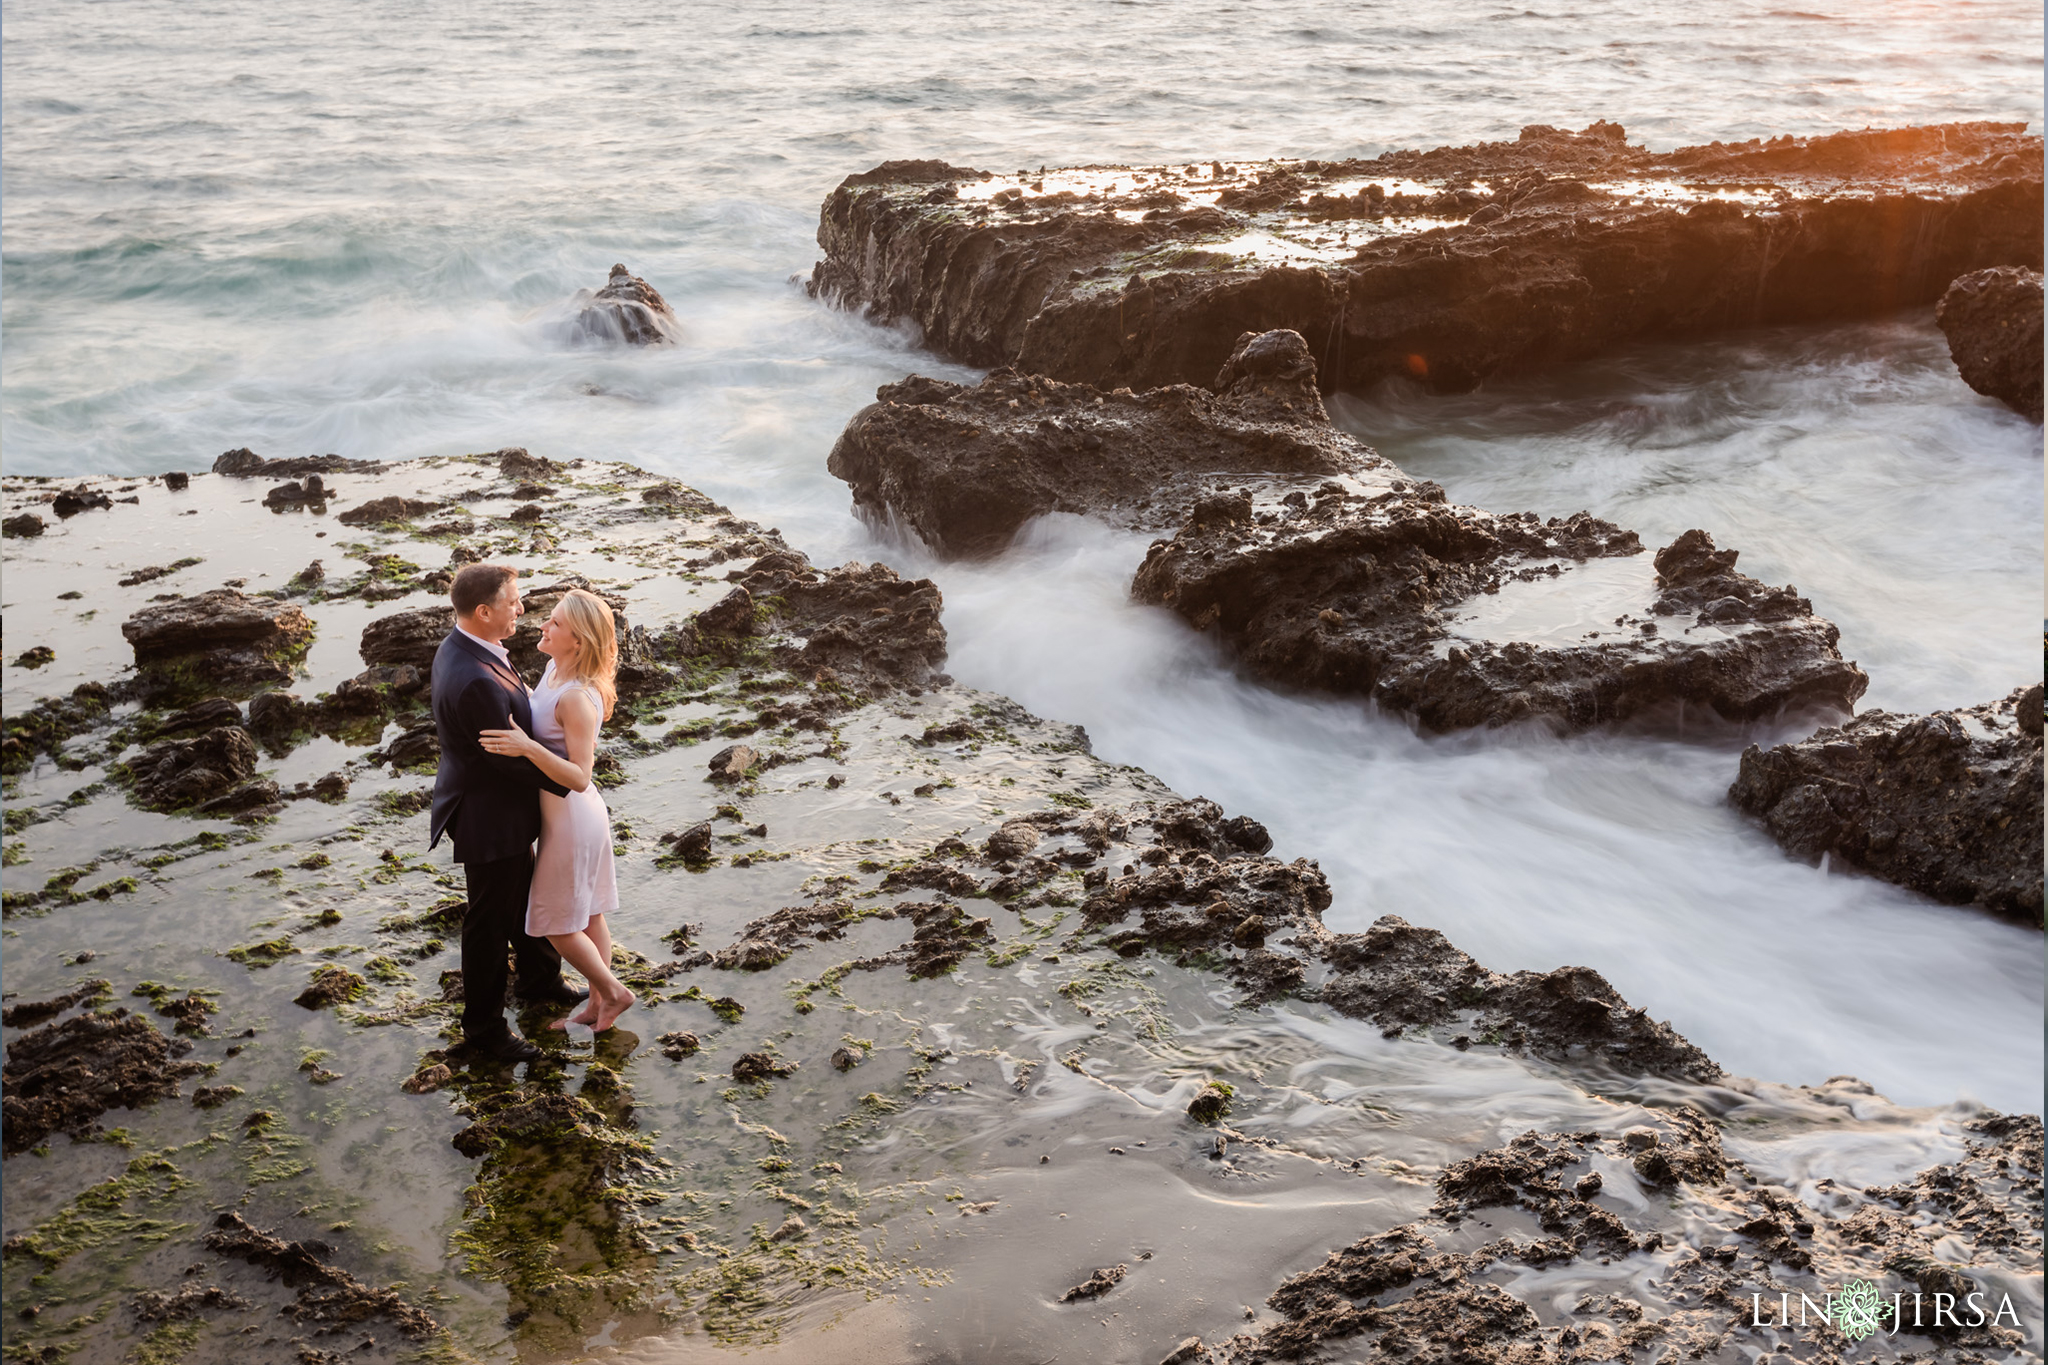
490	804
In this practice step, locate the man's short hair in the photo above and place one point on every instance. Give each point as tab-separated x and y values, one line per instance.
478	584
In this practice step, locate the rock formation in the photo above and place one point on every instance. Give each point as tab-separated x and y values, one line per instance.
1444	266
1948	804
1325	567
967	465
1992	319
220	636
627	309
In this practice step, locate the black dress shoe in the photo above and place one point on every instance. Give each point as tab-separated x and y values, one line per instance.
511	1048
556	992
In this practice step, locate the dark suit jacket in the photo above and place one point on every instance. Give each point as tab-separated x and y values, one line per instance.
486	801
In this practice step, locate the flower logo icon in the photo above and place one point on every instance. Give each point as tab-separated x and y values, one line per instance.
1859	1310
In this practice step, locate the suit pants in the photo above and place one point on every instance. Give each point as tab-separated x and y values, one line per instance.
495	922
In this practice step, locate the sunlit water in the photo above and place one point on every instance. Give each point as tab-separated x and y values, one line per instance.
340	228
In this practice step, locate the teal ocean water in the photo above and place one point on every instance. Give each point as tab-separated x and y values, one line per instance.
343	228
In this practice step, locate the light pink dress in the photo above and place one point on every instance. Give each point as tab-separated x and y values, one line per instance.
572	876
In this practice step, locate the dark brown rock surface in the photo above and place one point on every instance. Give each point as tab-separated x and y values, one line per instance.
966	466
62	1077
1948	804
1992	319
220	636
1465	618
1445	265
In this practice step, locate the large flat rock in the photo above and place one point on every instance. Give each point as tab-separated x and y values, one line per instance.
1445	265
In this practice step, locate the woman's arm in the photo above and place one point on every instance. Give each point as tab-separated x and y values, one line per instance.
578	716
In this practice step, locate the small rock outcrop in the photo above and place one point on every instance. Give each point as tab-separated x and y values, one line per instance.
967	465
1377	586
247	464
174	774
220	636
1947	804
627	309
1992	319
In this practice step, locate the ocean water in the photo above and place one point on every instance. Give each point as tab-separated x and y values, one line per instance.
324	228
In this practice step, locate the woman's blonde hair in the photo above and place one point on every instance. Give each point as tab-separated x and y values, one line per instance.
597	644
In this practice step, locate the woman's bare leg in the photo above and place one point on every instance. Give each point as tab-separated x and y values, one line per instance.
601	939
609	997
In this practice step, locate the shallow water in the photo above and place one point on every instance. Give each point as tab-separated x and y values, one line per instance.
306	228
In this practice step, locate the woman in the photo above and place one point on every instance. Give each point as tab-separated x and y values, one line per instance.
573	885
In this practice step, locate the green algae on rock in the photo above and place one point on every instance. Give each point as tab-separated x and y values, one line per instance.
918	898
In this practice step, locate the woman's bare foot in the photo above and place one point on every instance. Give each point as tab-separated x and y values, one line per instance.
609	1010
585	1013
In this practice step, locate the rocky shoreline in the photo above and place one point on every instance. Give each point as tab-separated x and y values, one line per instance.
1443	266
938	1006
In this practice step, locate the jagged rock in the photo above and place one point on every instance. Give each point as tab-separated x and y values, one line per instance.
967	466
427	1079
732	614
327	1295
1401	976
693	844
862	622
276	713
331	984
421	744
295	494
1992	319
1948	804
152	1305
175	773
261	796
1015	839
29	1013
25	524
220	636
847	1058
63	1076
676	1046
1097	1284
407	637
72	501
626	310
749	1067
1210	1103
1466	618
1445	287
730	764
378	511
247	464
177	480
205	715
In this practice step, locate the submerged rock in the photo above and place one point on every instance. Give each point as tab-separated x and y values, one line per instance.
1947	804
1992	319
627	309
328	1296
62	1077
1145	276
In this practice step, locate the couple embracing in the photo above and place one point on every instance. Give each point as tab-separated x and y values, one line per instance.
516	767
